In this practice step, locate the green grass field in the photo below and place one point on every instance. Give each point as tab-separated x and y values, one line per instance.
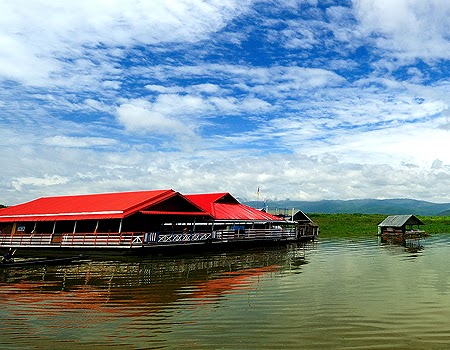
351	225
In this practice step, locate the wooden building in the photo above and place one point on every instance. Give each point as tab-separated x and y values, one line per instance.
304	225
400	225
137	220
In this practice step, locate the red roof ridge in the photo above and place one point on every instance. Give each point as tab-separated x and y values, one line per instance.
220	206
112	204
230	208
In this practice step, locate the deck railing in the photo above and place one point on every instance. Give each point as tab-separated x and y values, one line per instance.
139	239
256	234
73	240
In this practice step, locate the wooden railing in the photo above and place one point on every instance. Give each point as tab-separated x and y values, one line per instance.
139	239
180	237
256	234
73	240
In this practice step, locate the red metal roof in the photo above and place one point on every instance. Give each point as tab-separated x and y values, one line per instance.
220	206
206	201
223	206
84	207
183	213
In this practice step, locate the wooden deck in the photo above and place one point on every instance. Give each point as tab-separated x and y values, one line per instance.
407	233
127	240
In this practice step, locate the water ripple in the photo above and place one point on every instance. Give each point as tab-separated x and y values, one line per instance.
331	294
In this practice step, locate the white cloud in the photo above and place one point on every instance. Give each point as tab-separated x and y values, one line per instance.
38	49
181	114
18	62
295	176
409	28
127	99
414	143
142	116
115	85
163	89
47	180
206	88
437	164
67	141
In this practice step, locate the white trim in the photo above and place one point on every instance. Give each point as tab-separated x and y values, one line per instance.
63	214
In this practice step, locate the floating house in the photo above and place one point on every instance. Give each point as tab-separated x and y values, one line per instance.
140	220
403	225
303	224
306	226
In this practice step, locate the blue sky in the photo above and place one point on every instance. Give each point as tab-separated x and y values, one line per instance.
306	100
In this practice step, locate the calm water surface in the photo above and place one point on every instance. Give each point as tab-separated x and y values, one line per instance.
330	294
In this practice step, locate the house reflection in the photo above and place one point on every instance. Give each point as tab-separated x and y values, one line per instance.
138	287
411	245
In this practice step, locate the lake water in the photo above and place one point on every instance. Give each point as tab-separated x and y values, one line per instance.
329	294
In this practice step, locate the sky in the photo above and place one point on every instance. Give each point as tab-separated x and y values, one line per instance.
305	100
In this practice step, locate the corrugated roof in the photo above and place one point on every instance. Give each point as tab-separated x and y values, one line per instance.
207	201
219	206
301	216
223	206
184	213
83	207
400	220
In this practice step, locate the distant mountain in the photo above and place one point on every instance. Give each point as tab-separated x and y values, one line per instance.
363	206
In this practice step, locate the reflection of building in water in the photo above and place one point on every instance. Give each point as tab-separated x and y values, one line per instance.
410	244
145	285
143	221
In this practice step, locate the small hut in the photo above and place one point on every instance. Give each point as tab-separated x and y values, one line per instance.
400	225
304	225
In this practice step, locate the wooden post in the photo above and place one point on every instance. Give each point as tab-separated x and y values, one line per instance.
53	232
74	229
13	232
95	231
